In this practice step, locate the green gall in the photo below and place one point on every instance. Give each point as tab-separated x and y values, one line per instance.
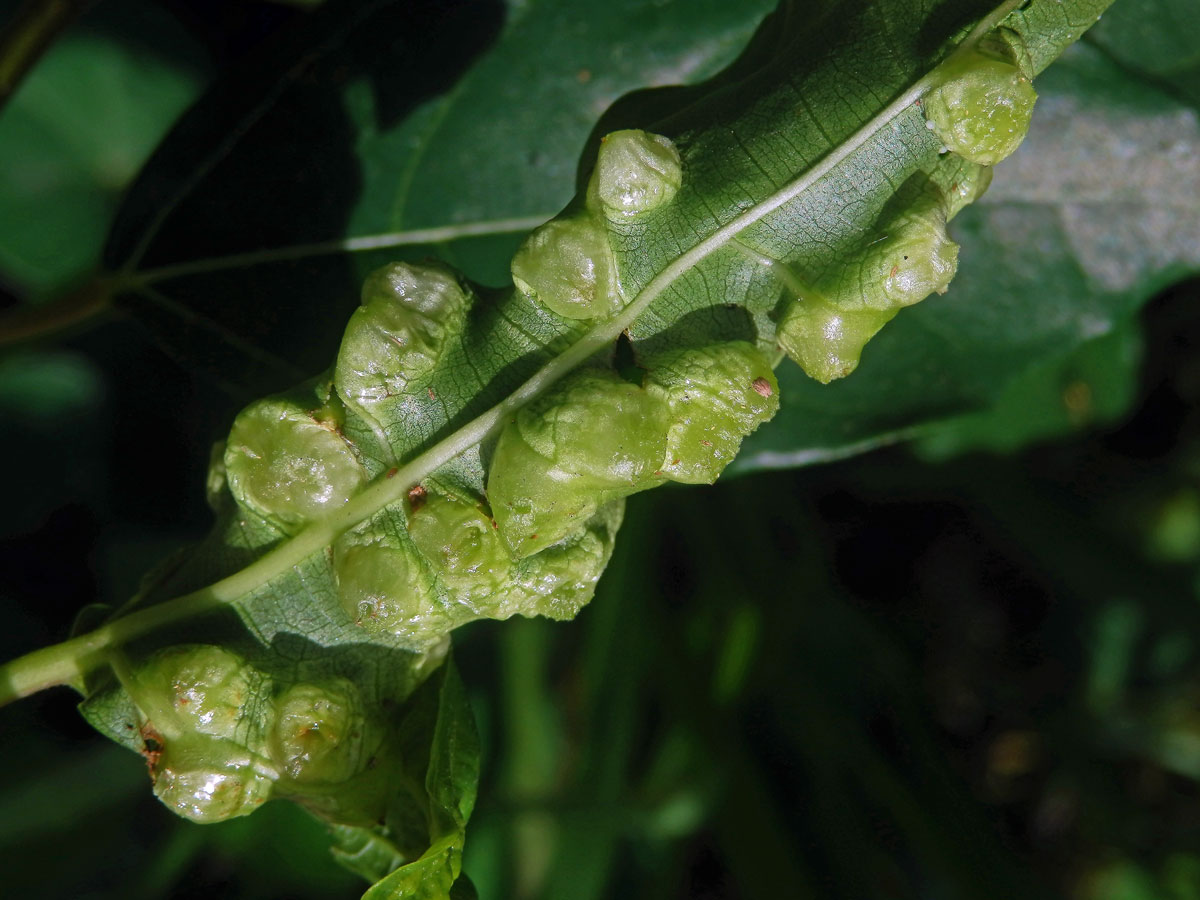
914	260
560	580
957	183
199	689
824	339
203	707
409	313
636	172
209	780
1007	44
596	425
385	590
288	465
216	483
535	505
462	547
567	267
980	108
825	328
716	396
592	439
320	733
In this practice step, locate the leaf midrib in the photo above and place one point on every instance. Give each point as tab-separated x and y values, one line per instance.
387	490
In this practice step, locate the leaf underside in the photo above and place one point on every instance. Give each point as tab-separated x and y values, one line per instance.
789	159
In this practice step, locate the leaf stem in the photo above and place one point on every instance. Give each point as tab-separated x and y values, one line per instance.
412	236
66	663
27	323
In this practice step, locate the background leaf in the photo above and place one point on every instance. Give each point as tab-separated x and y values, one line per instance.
1154	40
78	131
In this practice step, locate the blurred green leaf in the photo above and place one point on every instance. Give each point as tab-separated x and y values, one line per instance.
1156	38
74	136
77	788
1092	386
57	401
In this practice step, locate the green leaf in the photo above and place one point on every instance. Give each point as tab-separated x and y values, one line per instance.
1088	220
752	193
365	851
451	770
1093	385
57	400
74	136
468	453
1156	39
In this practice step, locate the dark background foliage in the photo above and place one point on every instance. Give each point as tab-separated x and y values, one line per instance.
927	671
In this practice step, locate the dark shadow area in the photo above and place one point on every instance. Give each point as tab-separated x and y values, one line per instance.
1168	413
267	159
709	325
951	16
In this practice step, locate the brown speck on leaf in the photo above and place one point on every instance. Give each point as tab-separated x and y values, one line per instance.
1077	398
892	274
152	747
533	537
391	473
416	497
762	387
495	525
432	395
584	75
674	462
322	418
707	443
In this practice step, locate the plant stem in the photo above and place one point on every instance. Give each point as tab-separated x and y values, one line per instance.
69	662
409	237
27	323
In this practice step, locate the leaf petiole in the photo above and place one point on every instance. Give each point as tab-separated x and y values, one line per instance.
363	243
